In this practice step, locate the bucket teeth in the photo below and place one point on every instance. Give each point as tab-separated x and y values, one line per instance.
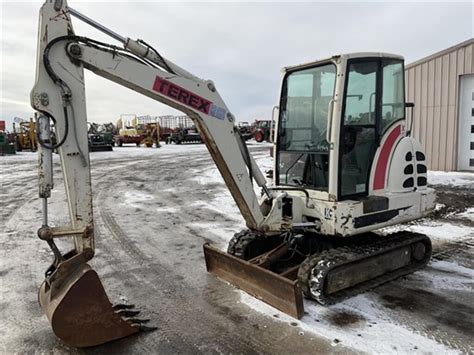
127	313
137	320
144	328
120	306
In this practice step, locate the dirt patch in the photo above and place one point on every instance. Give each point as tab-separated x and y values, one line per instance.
454	199
345	318
441	310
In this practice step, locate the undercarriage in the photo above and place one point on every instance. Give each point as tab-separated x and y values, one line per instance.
281	269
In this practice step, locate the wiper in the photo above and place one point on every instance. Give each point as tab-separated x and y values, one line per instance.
292	165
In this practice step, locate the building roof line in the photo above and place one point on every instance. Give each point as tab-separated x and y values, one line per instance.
441	53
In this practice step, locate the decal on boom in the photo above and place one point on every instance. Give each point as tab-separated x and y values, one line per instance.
182	95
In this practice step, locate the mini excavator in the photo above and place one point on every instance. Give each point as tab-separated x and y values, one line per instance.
345	165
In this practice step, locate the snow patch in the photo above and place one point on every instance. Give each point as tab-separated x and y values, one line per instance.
371	324
467	214
167	209
265	163
445	275
209	176
451	178
434	229
135	198
222	203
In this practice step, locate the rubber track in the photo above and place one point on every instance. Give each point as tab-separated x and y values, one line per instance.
314	270
239	242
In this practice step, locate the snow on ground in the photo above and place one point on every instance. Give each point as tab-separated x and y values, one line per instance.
19	157
467	214
135	198
163	209
435	230
451	276
369	324
371	328
451	178
369	321
212	175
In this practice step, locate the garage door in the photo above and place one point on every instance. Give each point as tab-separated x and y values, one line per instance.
466	124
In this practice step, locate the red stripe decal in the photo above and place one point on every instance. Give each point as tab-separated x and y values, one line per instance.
182	95
382	162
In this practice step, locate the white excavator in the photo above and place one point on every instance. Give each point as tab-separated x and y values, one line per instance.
345	166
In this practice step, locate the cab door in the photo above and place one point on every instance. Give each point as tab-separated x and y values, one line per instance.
374	99
358	126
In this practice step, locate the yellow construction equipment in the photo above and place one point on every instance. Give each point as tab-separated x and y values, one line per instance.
25	135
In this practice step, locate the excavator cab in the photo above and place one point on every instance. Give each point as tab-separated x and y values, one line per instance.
371	101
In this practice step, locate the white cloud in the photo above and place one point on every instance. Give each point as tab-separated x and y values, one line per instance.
240	46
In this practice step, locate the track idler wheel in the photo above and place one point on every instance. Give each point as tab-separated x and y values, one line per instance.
80	312
248	244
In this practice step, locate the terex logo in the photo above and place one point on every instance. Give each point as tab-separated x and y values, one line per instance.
177	93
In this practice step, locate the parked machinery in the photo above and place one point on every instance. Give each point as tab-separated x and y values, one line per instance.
25	134
345	166
151	131
177	129
129	136
245	130
185	135
6	146
262	130
99	139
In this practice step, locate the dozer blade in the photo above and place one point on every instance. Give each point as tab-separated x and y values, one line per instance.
80	311
272	288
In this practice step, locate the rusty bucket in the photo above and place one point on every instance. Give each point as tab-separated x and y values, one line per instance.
80	312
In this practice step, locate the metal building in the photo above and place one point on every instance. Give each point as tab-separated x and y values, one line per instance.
442	88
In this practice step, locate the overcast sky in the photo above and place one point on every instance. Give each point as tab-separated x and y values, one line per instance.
240	46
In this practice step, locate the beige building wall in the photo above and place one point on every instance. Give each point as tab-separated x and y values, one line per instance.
432	83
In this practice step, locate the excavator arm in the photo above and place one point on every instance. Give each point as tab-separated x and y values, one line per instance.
71	286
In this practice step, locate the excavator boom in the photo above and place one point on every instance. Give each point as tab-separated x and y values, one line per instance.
72	295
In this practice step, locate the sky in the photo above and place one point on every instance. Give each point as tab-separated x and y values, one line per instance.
241	46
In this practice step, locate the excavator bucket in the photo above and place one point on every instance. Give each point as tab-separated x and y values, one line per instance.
272	288
80	312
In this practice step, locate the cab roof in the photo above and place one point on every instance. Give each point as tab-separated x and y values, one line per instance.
341	57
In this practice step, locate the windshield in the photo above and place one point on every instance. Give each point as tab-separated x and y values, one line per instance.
303	151
304	112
